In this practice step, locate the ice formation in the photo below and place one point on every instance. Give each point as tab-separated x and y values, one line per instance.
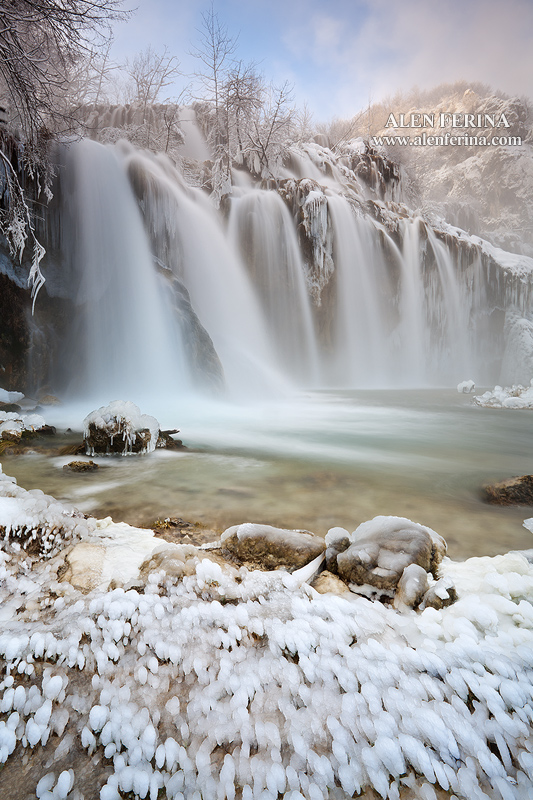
466	387
226	683
507	397
123	421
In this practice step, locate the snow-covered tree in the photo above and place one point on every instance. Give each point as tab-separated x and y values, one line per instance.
40	44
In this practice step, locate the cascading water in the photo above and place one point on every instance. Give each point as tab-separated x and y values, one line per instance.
412	334
325	296
262	229
361	347
124	335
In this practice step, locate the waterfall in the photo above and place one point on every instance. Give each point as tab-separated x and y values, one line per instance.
300	285
188	235
124	339
262	230
361	349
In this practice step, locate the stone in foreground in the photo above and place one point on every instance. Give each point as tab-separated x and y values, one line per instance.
269	548
383	547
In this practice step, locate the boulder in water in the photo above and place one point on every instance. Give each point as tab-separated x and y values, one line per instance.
120	428
81	466
514	491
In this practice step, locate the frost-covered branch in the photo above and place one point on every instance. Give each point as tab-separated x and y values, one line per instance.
41	42
16	223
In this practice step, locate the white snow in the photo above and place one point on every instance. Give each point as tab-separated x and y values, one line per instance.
228	680
466	387
13	423
10	397
507	397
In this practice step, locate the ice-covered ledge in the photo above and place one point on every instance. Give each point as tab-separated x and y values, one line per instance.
225	680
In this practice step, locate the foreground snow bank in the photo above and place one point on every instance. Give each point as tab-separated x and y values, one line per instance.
508	397
220	681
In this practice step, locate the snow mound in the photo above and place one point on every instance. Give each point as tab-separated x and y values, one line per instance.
10	397
509	397
13	425
120	427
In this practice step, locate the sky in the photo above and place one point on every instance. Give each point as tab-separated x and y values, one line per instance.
342	54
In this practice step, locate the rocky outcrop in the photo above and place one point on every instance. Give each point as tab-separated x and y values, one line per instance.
511	492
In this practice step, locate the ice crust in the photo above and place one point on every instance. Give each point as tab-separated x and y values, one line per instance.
229	680
507	397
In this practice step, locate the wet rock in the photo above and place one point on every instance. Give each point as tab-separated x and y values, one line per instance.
46	430
10	407
269	548
328	583
383	547
81	466
515	491
49	400
104	441
165	439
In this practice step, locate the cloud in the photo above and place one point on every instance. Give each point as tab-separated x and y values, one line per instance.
376	47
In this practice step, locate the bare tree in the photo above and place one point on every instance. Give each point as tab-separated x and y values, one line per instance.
214	50
273	128
90	79
242	97
40	42
150	72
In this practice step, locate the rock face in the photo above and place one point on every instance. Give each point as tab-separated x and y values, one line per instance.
383	547
268	548
515	491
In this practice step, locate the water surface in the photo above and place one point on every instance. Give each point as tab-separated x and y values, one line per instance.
316	461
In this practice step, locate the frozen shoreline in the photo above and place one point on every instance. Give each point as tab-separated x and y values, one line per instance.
222	680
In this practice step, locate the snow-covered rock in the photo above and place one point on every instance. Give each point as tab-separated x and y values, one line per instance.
120	428
381	549
270	548
14	424
507	397
466	387
10	397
